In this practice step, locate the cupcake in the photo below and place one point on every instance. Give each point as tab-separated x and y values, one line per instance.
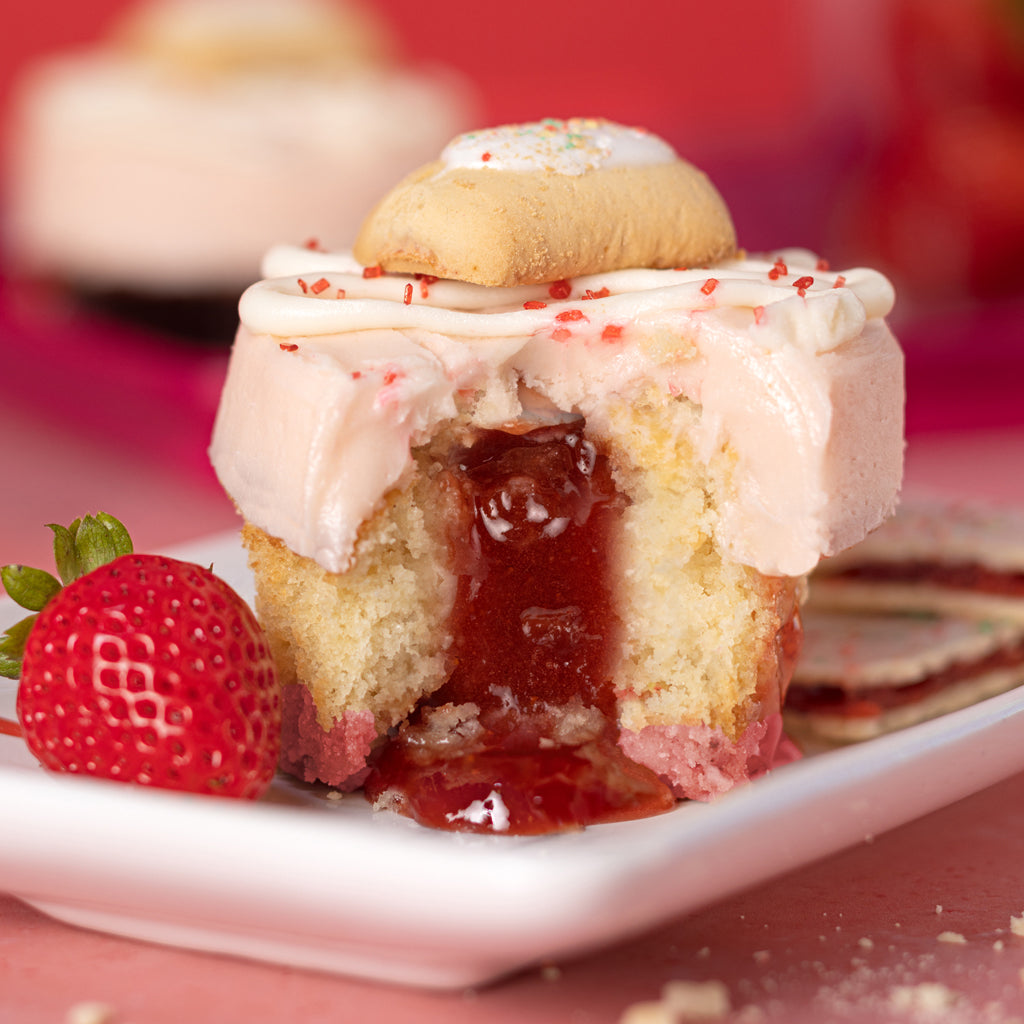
150	173
533	478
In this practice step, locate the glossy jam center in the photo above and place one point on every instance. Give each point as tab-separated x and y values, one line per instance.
522	738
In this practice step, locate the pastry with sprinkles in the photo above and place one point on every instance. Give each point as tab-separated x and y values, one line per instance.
532	480
923	617
862	675
935	556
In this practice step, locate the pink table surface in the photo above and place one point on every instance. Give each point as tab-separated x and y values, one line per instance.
841	940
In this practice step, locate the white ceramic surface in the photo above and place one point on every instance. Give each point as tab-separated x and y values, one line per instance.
304	880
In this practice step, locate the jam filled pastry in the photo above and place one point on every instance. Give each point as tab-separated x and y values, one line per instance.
923	617
532	481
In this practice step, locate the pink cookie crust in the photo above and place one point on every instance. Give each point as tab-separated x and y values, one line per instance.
311	753
696	761
701	763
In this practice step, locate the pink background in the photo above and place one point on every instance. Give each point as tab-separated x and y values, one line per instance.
867	131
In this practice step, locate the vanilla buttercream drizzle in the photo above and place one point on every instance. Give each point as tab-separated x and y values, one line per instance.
307	292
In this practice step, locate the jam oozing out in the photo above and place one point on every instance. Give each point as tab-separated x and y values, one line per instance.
521	737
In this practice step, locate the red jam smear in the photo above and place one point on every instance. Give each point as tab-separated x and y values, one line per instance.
521	739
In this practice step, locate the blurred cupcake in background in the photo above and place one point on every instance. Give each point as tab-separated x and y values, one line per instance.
149	175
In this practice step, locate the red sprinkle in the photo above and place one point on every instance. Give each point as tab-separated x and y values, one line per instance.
319	286
602	294
571	314
373	271
778	270
709	285
303	286
287	346
407	297
613	332
535	304
560	289
425	280
390	376
840	281
821	265
356	374
312	243
485	157
561	334
801	284
340	293
758	314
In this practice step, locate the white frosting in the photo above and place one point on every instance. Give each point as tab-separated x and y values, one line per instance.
566	147
125	175
793	367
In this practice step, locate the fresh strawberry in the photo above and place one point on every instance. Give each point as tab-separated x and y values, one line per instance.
141	668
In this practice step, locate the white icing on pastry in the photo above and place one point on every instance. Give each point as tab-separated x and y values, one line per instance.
566	147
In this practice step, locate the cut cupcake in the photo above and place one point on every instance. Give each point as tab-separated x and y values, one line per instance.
532	487
149	173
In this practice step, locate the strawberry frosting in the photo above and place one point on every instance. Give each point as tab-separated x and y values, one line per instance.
793	367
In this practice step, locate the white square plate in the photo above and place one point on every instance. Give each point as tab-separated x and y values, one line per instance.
308	881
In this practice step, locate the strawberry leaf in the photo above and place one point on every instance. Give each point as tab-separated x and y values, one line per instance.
118	534
28	587
94	545
64	553
87	544
78	549
12	647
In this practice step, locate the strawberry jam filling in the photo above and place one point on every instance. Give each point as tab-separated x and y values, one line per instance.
521	738
955	576
869	702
